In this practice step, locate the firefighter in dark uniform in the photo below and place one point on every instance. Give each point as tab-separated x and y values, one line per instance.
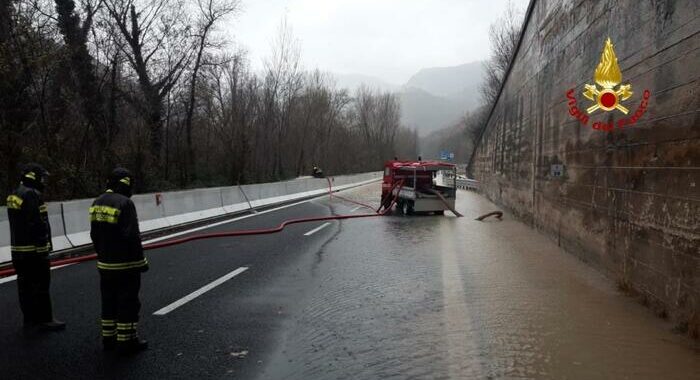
114	229
30	246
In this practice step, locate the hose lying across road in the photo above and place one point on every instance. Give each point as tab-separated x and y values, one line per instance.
263	231
447	204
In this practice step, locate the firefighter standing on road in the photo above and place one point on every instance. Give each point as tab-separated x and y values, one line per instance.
30	246
114	229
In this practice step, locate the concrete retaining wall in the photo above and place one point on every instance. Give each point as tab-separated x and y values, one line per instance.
70	225
626	201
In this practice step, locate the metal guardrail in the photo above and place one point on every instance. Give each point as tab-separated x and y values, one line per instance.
467	184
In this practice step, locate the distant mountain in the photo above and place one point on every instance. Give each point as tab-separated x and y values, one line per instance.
433	98
426	112
437	97
450	82
353	81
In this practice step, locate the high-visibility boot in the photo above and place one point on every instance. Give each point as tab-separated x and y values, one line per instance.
128	341
109	334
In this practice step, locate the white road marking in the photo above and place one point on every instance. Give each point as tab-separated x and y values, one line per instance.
223	222
459	328
319	228
8	279
356	208
14	276
240	218
166	237
200	291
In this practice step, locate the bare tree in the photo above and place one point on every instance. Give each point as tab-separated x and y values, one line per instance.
503	35
156	39
233	107
378	116
283	81
75	33
85	84
210	12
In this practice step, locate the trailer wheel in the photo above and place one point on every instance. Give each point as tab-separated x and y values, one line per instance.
407	208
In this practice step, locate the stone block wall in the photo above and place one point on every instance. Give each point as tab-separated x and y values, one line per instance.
627	200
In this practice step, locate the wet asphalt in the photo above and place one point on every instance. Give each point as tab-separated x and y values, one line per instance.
420	297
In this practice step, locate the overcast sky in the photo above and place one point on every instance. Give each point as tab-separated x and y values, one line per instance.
389	39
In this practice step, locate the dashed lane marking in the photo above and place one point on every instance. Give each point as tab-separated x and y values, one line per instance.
12	278
319	228
200	291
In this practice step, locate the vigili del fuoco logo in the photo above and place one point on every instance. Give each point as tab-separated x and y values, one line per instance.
607	94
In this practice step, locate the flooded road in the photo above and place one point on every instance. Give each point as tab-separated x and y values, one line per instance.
433	297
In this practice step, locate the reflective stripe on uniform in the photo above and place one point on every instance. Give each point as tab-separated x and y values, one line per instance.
104	214
31	248
23	248
126	181
44	208
31	175
126	331
14	202
109	327
126	337
44	248
122	266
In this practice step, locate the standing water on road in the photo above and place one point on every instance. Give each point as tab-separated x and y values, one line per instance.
444	297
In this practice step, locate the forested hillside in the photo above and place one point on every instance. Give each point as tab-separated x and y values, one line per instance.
151	85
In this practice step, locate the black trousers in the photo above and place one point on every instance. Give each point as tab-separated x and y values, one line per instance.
120	304
33	282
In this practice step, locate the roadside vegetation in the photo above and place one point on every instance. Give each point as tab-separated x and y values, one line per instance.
152	85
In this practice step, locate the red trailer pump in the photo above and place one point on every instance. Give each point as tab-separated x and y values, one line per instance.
428	186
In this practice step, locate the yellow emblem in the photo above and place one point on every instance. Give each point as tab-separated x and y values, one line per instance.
608	75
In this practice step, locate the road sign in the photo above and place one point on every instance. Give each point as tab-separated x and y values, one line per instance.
445	155
557	170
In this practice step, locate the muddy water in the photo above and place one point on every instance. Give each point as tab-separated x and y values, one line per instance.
442	297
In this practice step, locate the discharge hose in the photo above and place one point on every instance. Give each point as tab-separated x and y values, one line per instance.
212	235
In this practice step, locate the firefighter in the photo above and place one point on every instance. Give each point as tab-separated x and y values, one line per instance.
30	246
114	229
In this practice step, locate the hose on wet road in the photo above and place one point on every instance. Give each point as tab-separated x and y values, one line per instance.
262	231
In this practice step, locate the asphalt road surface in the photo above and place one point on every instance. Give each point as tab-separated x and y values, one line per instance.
419	297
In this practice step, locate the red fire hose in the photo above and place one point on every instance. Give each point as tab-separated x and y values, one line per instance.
264	231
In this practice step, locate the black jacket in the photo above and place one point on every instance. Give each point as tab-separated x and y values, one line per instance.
29	222
114	229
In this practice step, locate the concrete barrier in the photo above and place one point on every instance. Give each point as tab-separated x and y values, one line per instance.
190	205
233	199
58	234
58	231
4	235
77	221
253	194
151	212
70	224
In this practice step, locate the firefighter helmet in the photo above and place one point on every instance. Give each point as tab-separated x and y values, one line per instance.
34	175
